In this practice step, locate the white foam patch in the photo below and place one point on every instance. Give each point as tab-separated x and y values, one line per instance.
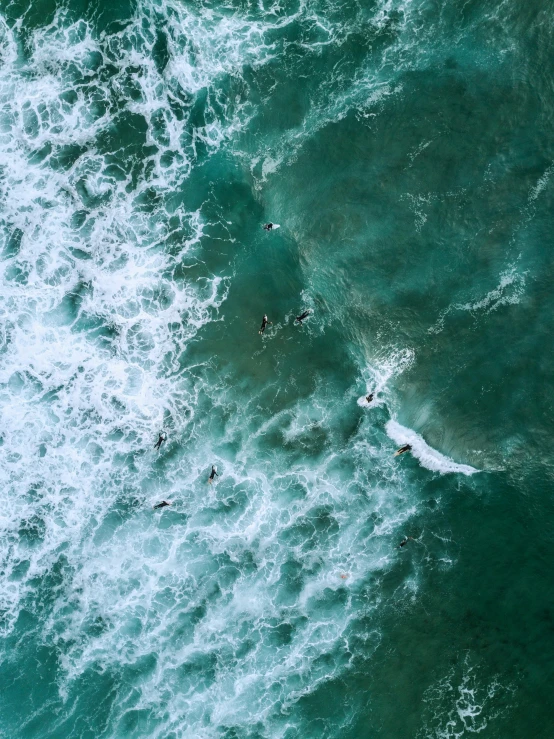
464	702
427	456
381	371
508	292
542	182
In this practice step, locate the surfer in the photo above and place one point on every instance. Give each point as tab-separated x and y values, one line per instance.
406	540
162	504
405	448
264	324
162	437
213	474
268	226
369	397
303	316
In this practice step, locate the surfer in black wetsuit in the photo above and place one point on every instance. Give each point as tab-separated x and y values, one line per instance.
264	324
213	474
405	448
162	437
369	397
406	540
303	316
268	226
162	504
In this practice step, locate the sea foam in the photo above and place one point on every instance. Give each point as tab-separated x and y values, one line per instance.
381	371
427	456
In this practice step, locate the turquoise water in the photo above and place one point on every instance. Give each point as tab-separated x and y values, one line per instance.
407	151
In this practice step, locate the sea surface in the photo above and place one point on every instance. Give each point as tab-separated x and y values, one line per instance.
406	148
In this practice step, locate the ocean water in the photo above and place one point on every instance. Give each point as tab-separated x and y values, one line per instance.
406	148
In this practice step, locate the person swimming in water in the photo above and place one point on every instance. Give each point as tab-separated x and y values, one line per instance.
213	474
405	448
406	540
303	316
161	439
268	226
162	504
369	397
264	324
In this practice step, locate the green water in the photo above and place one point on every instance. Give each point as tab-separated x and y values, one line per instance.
406	150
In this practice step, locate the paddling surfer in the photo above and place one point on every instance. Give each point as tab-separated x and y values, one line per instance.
162	437
213	474
264	324
405	448
268	226
406	540
369	397
163	504
303	316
